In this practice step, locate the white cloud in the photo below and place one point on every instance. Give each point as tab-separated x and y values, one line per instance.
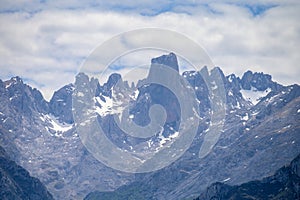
47	42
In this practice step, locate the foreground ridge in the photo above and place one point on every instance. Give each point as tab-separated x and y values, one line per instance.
284	184
16	183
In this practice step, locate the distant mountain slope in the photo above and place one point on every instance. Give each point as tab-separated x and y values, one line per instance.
17	184
285	184
261	134
40	136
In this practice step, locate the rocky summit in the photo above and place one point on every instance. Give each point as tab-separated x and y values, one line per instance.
260	134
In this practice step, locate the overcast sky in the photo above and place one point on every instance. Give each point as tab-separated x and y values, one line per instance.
45	42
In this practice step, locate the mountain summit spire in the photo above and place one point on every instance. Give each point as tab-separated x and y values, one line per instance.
168	60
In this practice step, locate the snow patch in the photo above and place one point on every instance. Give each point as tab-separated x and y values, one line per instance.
246	117
255	113
238	106
164	140
80	94
11	98
227	179
106	105
60	127
131	116
149	143
136	94
42	118
253	95
272	98
214	85
10	83
193	73
284	128
5	120
88	121
116	104
55	125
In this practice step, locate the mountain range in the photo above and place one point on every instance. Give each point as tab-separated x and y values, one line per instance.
260	135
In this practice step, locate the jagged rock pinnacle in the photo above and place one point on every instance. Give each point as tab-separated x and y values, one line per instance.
168	60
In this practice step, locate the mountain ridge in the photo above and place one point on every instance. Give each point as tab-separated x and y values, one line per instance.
255	130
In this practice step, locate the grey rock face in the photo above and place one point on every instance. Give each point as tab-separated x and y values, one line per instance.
23	98
169	60
260	81
61	104
157	94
